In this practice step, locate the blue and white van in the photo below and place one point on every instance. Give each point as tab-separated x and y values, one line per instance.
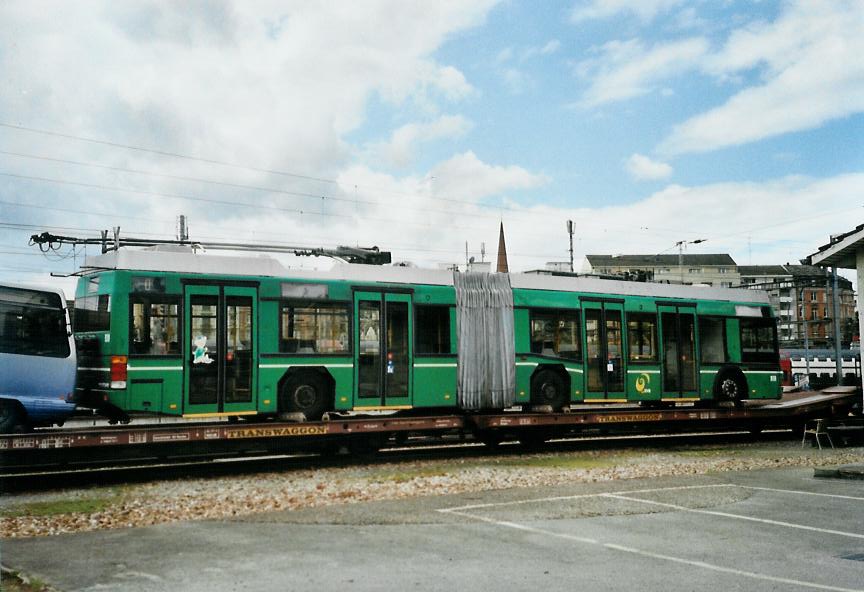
37	358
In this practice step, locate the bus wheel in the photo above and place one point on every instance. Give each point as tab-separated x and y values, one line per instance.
11	415
547	388
731	386
306	393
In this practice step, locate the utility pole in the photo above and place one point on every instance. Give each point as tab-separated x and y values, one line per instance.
838	360
806	341
570	232
680	244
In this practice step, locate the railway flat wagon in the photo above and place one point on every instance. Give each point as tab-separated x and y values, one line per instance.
167	330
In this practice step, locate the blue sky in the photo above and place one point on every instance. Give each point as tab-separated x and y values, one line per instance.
428	123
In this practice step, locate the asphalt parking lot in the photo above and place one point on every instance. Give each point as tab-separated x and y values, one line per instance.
754	530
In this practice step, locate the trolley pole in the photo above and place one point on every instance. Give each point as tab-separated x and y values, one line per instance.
570	232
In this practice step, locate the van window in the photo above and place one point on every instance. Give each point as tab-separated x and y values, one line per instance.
32	323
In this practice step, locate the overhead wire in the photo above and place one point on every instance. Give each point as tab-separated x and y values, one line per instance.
497	207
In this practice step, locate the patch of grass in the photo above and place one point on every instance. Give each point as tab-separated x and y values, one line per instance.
58	507
562	462
12	581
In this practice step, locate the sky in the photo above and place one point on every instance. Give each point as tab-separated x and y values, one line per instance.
420	126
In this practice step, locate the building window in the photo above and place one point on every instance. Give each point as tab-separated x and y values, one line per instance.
722	270
314	328
432	327
556	333
695	270
642	337
725	284
155	326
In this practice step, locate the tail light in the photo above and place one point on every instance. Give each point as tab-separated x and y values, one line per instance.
118	372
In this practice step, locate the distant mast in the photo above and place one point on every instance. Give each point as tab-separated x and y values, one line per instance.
502	252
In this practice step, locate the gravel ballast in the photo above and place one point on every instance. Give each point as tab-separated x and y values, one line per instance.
219	498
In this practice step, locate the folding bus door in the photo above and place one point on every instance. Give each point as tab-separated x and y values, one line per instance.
604	350
221	350
678	344
383	358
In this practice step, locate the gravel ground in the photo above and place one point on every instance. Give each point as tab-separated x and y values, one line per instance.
78	510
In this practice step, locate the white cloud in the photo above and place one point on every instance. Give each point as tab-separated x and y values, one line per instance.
511	64
811	72
626	69
466	177
268	83
400	148
643	168
602	9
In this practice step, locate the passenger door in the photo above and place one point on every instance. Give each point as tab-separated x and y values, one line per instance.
678	339
383	332
604	350
220	358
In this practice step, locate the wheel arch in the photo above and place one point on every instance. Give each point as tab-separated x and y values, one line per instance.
734	372
559	369
299	372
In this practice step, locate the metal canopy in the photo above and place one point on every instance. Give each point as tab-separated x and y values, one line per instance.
842	251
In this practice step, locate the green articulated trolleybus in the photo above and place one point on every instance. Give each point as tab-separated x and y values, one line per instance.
166	330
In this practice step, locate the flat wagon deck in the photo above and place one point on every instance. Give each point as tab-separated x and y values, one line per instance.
177	440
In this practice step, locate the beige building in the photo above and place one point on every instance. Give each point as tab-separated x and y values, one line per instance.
718	270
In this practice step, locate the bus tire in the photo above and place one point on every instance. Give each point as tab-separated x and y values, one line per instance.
548	388
306	393
11	415
730	385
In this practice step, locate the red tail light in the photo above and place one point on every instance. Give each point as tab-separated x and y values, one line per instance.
118	372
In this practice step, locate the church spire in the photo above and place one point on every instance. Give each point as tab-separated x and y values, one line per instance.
502	252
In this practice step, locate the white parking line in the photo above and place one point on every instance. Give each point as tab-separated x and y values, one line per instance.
838	496
461	511
581	496
736	516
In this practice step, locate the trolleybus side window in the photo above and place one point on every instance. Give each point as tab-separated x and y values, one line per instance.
314	328
154	330
32	323
758	340
432	326
712	340
642	337
556	333
92	313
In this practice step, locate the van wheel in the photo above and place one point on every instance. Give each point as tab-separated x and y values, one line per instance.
11	415
548	388
307	394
